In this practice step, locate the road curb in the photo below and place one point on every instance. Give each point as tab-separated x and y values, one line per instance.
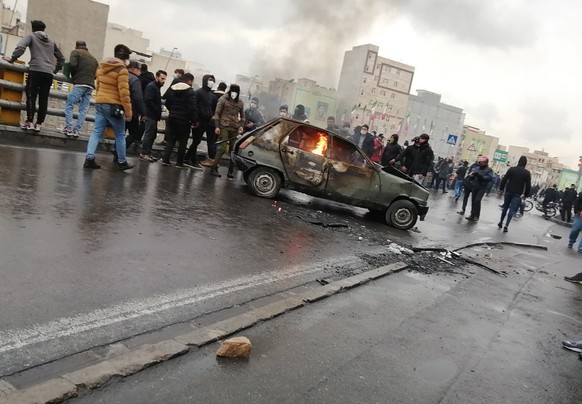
69	385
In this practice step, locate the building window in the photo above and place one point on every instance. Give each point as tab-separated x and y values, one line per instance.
380	105
370	103
383	93
392	95
384	81
398	72
376	78
362	92
395	84
364	80
374	91
390	107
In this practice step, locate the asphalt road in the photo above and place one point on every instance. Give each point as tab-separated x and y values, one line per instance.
92	257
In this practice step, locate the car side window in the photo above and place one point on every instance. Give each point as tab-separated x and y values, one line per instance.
347	153
310	140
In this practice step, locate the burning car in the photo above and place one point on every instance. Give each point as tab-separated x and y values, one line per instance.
295	155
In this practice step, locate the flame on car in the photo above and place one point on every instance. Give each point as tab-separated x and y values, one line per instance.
321	146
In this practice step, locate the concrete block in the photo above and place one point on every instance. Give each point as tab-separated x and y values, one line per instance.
200	337
51	391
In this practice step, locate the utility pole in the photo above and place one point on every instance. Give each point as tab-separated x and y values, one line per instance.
579	174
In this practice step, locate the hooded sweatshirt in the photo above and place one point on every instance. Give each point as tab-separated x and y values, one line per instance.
204	99
113	85
45	55
181	102
517	179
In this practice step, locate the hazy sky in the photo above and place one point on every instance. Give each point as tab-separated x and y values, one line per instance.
512	65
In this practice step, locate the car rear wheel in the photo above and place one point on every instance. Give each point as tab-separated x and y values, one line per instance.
264	182
402	214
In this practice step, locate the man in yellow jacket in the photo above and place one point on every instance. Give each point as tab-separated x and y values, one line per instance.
112	106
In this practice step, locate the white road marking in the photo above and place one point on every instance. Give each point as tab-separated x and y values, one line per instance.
68	326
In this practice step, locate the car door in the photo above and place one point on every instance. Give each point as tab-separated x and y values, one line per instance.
303	152
351	177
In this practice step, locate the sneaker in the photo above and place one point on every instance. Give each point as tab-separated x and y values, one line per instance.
505	229
26	125
570	245
445	192
461	212
574	279
124	166
207	163
575	346
180	166
161	143
144	157
91	163
36	127
166	163
195	165
472	218
214	172
75	132
68	132
500	225
230	175
456	198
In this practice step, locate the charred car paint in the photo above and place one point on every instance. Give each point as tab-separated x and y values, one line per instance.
295	155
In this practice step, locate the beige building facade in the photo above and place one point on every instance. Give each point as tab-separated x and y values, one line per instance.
475	142
373	89
118	34
68	21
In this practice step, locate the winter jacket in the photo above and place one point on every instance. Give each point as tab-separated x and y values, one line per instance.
461	172
417	159
391	151
217	94
83	67
137	105
551	195
146	78
444	169
181	102
228	113
43	52
516	180
204	100
478	177
112	85
378	150
569	195
255	116
153	101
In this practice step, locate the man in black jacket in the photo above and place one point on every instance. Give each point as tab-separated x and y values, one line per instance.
146	77
576	228
364	140
461	172
391	151
137	105
550	195
517	184
204	101
153	113
567	202
417	158
181	102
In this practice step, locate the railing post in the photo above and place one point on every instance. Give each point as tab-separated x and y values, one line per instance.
11	116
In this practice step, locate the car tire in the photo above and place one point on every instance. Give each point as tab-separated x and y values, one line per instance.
402	214
264	182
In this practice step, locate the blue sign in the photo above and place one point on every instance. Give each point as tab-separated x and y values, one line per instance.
452	139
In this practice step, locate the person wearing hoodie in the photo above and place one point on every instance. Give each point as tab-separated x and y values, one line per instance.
517	184
300	114
228	126
416	158
478	178
145	77
83	68
153	113
112	106
43	53
391	151
181	102
204	99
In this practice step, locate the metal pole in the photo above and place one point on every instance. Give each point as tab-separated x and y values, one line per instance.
168	62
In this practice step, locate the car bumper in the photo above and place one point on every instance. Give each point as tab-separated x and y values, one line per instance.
422	211
242	163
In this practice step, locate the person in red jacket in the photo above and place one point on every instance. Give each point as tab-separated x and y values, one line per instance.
378	148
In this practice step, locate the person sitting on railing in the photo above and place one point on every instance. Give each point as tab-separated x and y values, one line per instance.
42	66
83	68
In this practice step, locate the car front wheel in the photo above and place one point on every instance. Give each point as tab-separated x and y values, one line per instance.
402	214
264	182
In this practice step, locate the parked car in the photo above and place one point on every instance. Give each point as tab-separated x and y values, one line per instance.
285	153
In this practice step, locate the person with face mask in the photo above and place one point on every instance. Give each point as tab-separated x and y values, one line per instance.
204	100
364	139
253	116
479	176
391	151
228	126
417	158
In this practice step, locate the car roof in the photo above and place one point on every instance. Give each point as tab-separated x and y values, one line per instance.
314	127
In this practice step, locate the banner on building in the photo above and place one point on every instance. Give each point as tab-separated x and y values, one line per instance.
500	156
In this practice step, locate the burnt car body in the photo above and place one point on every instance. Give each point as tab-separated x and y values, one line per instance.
295	155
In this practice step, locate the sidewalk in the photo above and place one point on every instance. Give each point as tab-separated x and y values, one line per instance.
466	336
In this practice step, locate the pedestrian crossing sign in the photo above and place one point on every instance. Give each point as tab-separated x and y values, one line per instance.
452	139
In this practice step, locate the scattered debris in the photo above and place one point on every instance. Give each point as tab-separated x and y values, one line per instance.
321	222
238	347
322	281
360	238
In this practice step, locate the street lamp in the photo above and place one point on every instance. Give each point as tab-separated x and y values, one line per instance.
170	57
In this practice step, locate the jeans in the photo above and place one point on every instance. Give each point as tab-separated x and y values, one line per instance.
79	95
103	119
576	227
458	188
149	135
176	131
38	84
511	203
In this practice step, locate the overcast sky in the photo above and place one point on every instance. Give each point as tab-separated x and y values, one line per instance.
512	65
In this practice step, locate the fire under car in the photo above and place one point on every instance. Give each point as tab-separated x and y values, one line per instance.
285	153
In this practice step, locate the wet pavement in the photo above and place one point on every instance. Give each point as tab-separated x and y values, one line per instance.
93	257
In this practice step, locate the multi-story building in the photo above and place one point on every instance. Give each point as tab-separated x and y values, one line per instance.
69	21
373	89
130	37
475	142
443	122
